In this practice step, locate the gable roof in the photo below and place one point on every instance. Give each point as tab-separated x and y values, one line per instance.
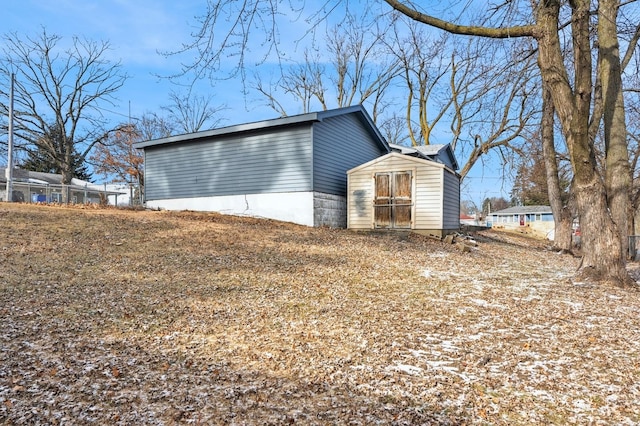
396	154
523	210
441	153
42	178
20	175
311	117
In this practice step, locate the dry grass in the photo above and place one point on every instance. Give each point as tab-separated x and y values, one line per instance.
114	317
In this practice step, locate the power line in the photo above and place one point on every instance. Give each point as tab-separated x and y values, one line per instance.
118	113
486	177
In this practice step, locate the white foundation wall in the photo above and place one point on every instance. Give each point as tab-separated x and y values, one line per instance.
296	207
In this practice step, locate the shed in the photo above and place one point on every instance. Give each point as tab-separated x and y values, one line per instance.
290	168
404	192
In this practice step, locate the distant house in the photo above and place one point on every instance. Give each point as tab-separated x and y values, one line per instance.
291	168
413	189
465	219
531	219
40	187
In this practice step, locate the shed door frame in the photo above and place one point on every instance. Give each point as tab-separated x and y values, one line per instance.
393	200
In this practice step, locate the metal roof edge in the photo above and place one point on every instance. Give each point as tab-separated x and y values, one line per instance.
274	122
227	130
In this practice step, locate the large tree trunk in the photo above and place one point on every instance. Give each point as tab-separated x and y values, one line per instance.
602	259
617	176
602	243
66	169
562	212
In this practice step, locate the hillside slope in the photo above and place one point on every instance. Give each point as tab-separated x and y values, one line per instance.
120	317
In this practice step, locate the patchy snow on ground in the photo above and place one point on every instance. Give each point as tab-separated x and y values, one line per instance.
114	317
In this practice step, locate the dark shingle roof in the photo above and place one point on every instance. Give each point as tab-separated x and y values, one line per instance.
524	210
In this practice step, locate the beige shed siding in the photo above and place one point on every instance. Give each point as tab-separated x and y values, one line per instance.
360	187
427	197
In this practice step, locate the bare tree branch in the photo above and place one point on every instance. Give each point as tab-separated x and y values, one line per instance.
59	94
507	32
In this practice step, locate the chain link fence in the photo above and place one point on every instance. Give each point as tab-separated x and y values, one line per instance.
118	195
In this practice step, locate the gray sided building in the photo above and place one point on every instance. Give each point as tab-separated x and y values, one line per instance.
291	168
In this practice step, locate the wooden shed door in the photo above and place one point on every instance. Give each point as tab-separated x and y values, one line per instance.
392	203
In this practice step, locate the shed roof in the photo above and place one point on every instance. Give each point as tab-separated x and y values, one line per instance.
523	210
433	152
359	110
420	160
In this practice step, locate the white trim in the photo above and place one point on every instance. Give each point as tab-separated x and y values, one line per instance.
430	163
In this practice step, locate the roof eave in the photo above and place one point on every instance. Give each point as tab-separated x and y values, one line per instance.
238	128
272	123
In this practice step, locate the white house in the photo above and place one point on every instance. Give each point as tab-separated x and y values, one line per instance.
527	219
39	187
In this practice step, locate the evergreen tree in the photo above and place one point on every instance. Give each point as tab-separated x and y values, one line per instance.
40	160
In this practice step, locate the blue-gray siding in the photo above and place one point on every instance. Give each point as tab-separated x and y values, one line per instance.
451	201
340	144
259	162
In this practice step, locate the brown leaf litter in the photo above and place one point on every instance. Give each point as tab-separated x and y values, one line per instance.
125	317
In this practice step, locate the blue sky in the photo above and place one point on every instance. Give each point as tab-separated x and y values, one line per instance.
137	30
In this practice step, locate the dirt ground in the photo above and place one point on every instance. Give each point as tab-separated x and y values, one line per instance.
132	317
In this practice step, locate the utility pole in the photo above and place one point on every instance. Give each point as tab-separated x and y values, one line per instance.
9	171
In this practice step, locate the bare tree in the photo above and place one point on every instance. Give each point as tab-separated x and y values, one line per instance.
493	204
616	168
632	95
354	69
484	94
59	94
424	65
493	103
603	258
394	128
191	112
304	82
559	195
220	41
362	67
